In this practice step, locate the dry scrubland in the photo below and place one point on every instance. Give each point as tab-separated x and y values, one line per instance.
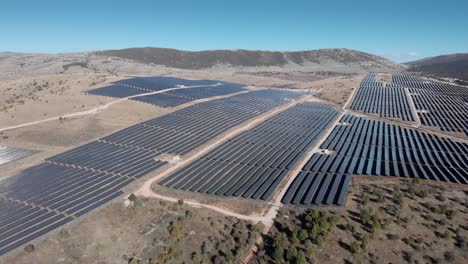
384	221
391	221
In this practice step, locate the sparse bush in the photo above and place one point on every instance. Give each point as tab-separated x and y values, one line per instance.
380	198
229	256
319	240
355	248
365	242
449	256
365	216
310	251
422	194
180	202
446	235
303	235
350	227
188	213
416	180
450	214
291	254
294	238
301	259
375	227
365	199
412	191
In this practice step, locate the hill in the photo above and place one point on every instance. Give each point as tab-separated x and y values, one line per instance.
451	65
325	58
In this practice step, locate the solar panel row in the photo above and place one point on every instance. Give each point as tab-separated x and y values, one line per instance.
8	154
375	97
252	164
75	182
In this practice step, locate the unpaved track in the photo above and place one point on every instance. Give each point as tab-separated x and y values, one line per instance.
95	110
413	107
146	190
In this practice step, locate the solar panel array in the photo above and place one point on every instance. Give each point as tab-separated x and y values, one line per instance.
440	105
376	97
449	113
369	147
419	82
181	96
377	148
20	223
68	185
142	85
252	164
8	154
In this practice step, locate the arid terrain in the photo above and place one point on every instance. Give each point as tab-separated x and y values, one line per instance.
44	107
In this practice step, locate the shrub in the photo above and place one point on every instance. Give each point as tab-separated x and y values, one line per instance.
312	216
423	194
441	209
449	256
303	235
319	240
294	238
375	227
365	199
301	259
450	214
279	252
291	254
350	227
229	256
380	198
180	202
132	197
355	248
310	251
365	216
416	180
446	235
365	242
412	191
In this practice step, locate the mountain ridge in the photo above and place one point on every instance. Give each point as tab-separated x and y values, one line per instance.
250	58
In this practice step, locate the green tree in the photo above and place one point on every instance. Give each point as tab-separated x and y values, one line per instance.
291	254
301	258
303	235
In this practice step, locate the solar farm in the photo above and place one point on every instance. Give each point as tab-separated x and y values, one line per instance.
228	142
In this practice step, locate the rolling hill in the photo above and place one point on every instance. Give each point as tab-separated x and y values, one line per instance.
327	58
451	65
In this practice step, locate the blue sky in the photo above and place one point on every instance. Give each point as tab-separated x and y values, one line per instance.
398	30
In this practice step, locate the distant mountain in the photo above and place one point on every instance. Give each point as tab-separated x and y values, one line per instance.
341	59
451	65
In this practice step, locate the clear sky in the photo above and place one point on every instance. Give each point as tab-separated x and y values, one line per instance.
398	30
